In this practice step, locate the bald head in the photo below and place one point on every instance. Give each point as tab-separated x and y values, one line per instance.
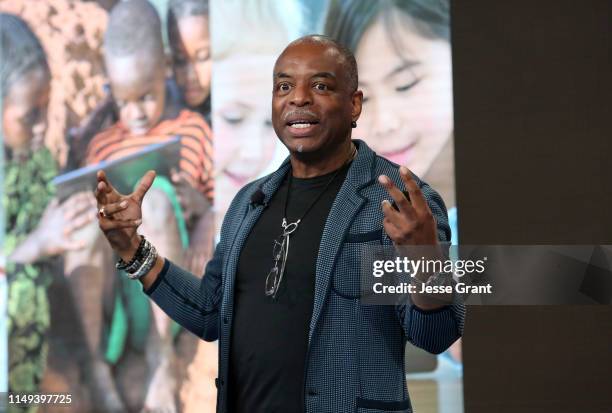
347	58
134	28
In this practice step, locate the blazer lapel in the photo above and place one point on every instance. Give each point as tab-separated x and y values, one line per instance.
347	204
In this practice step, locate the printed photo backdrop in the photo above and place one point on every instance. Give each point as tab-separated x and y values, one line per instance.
71	97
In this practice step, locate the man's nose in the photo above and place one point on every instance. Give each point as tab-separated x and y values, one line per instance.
301	96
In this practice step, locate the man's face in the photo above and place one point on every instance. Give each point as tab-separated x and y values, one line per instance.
191	57
312	102
138	85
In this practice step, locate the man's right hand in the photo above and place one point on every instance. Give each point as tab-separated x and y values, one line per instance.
120	215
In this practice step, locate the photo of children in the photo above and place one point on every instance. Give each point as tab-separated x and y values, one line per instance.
112	88
89	82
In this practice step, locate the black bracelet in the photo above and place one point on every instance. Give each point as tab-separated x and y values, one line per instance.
122	265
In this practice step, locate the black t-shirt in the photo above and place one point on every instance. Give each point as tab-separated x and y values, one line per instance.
270	336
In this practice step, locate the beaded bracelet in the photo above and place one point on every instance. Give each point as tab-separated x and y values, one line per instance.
146	266
136	259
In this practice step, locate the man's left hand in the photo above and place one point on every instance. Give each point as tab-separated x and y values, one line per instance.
412	223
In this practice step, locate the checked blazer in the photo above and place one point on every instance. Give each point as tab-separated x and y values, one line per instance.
355	357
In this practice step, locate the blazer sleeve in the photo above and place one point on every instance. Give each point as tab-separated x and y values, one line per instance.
191	301
434	330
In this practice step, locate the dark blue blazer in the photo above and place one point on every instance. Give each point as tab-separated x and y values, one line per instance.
355	359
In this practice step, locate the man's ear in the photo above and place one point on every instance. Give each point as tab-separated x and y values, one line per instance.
357	102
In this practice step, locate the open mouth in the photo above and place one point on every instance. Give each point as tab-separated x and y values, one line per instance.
302	124
302	127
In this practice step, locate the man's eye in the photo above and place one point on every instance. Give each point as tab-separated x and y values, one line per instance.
284	87
321	86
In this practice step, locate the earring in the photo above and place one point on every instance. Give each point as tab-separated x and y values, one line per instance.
353	124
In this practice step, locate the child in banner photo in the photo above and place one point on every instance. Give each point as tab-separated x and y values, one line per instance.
188	32
38	228
180	221
403	53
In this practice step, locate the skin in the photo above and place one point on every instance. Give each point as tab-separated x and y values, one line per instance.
408	110
245	142
24	122
24	114
310	83
190	41
139	90
322	149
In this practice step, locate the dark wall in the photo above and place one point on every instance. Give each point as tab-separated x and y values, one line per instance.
533	150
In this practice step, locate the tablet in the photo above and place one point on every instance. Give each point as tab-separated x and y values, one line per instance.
122	173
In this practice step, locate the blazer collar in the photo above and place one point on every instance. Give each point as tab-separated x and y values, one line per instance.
359	175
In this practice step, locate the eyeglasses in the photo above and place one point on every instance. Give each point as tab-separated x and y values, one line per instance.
280	251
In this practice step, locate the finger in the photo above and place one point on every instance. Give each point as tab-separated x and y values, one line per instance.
78	205
99	194
101	176
110	224
185	176
400	200
175	176
389	220
105	192
143	186
390	214
78	223
417	198
70	245
110	209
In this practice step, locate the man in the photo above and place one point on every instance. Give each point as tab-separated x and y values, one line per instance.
299	339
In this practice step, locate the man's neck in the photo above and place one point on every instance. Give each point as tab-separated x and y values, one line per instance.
309	165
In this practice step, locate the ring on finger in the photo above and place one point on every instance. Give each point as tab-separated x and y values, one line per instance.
102	212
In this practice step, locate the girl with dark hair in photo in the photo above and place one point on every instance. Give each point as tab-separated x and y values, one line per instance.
403	53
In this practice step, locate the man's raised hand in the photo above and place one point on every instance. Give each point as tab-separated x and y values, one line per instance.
412	223
120	215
